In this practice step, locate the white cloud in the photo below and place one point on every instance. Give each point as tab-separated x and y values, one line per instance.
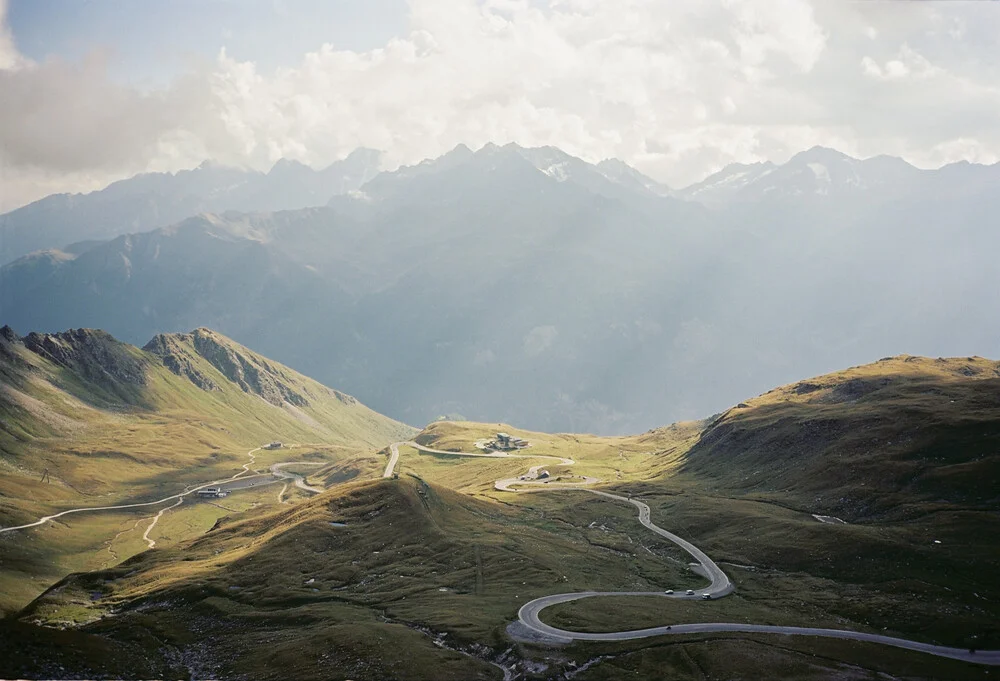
907	64
783	27
677	88
9	55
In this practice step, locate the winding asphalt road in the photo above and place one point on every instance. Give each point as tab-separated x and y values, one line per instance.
235	482
719	586
300	482
528	615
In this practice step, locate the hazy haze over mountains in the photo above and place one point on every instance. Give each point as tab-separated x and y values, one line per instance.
159	199
676	89
529	286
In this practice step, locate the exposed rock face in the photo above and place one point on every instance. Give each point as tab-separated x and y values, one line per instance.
856	388
8	355
175	359
804	388
95	355
343	397
252	374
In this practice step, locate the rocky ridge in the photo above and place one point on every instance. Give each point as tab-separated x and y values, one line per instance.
91	353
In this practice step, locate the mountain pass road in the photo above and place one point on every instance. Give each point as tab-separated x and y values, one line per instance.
718	587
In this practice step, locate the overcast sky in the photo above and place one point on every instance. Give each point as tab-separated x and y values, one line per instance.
92	91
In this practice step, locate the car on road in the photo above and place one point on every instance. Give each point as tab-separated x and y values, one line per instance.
690	592
669	592
707	597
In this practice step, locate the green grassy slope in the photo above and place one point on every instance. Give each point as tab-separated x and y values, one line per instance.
613	459
869	442
106	419
408	557
902	450
111	423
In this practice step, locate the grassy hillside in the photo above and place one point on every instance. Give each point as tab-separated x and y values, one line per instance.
612	459
418	577
361	582
88	421
865	443
354	577
903	451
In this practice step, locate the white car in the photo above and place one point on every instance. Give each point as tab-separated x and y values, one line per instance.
669	592
690	592
707	597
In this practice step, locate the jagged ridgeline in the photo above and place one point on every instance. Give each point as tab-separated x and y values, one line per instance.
78	371
86	420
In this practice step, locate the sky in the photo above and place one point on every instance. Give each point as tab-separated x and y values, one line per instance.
95	90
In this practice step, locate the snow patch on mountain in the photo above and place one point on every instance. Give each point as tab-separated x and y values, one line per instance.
557	171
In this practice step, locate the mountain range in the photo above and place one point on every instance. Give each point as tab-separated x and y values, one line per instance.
153	200
827	172
530	286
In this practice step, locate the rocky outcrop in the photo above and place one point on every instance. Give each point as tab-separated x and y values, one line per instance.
343	397
92	354
857	388
182	352
172	352
253	374
8	353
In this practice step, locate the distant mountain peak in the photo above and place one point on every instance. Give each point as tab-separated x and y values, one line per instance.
286	164
609	179
621	172
731	179
614	164
820	154
818	171
208	164
460	152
